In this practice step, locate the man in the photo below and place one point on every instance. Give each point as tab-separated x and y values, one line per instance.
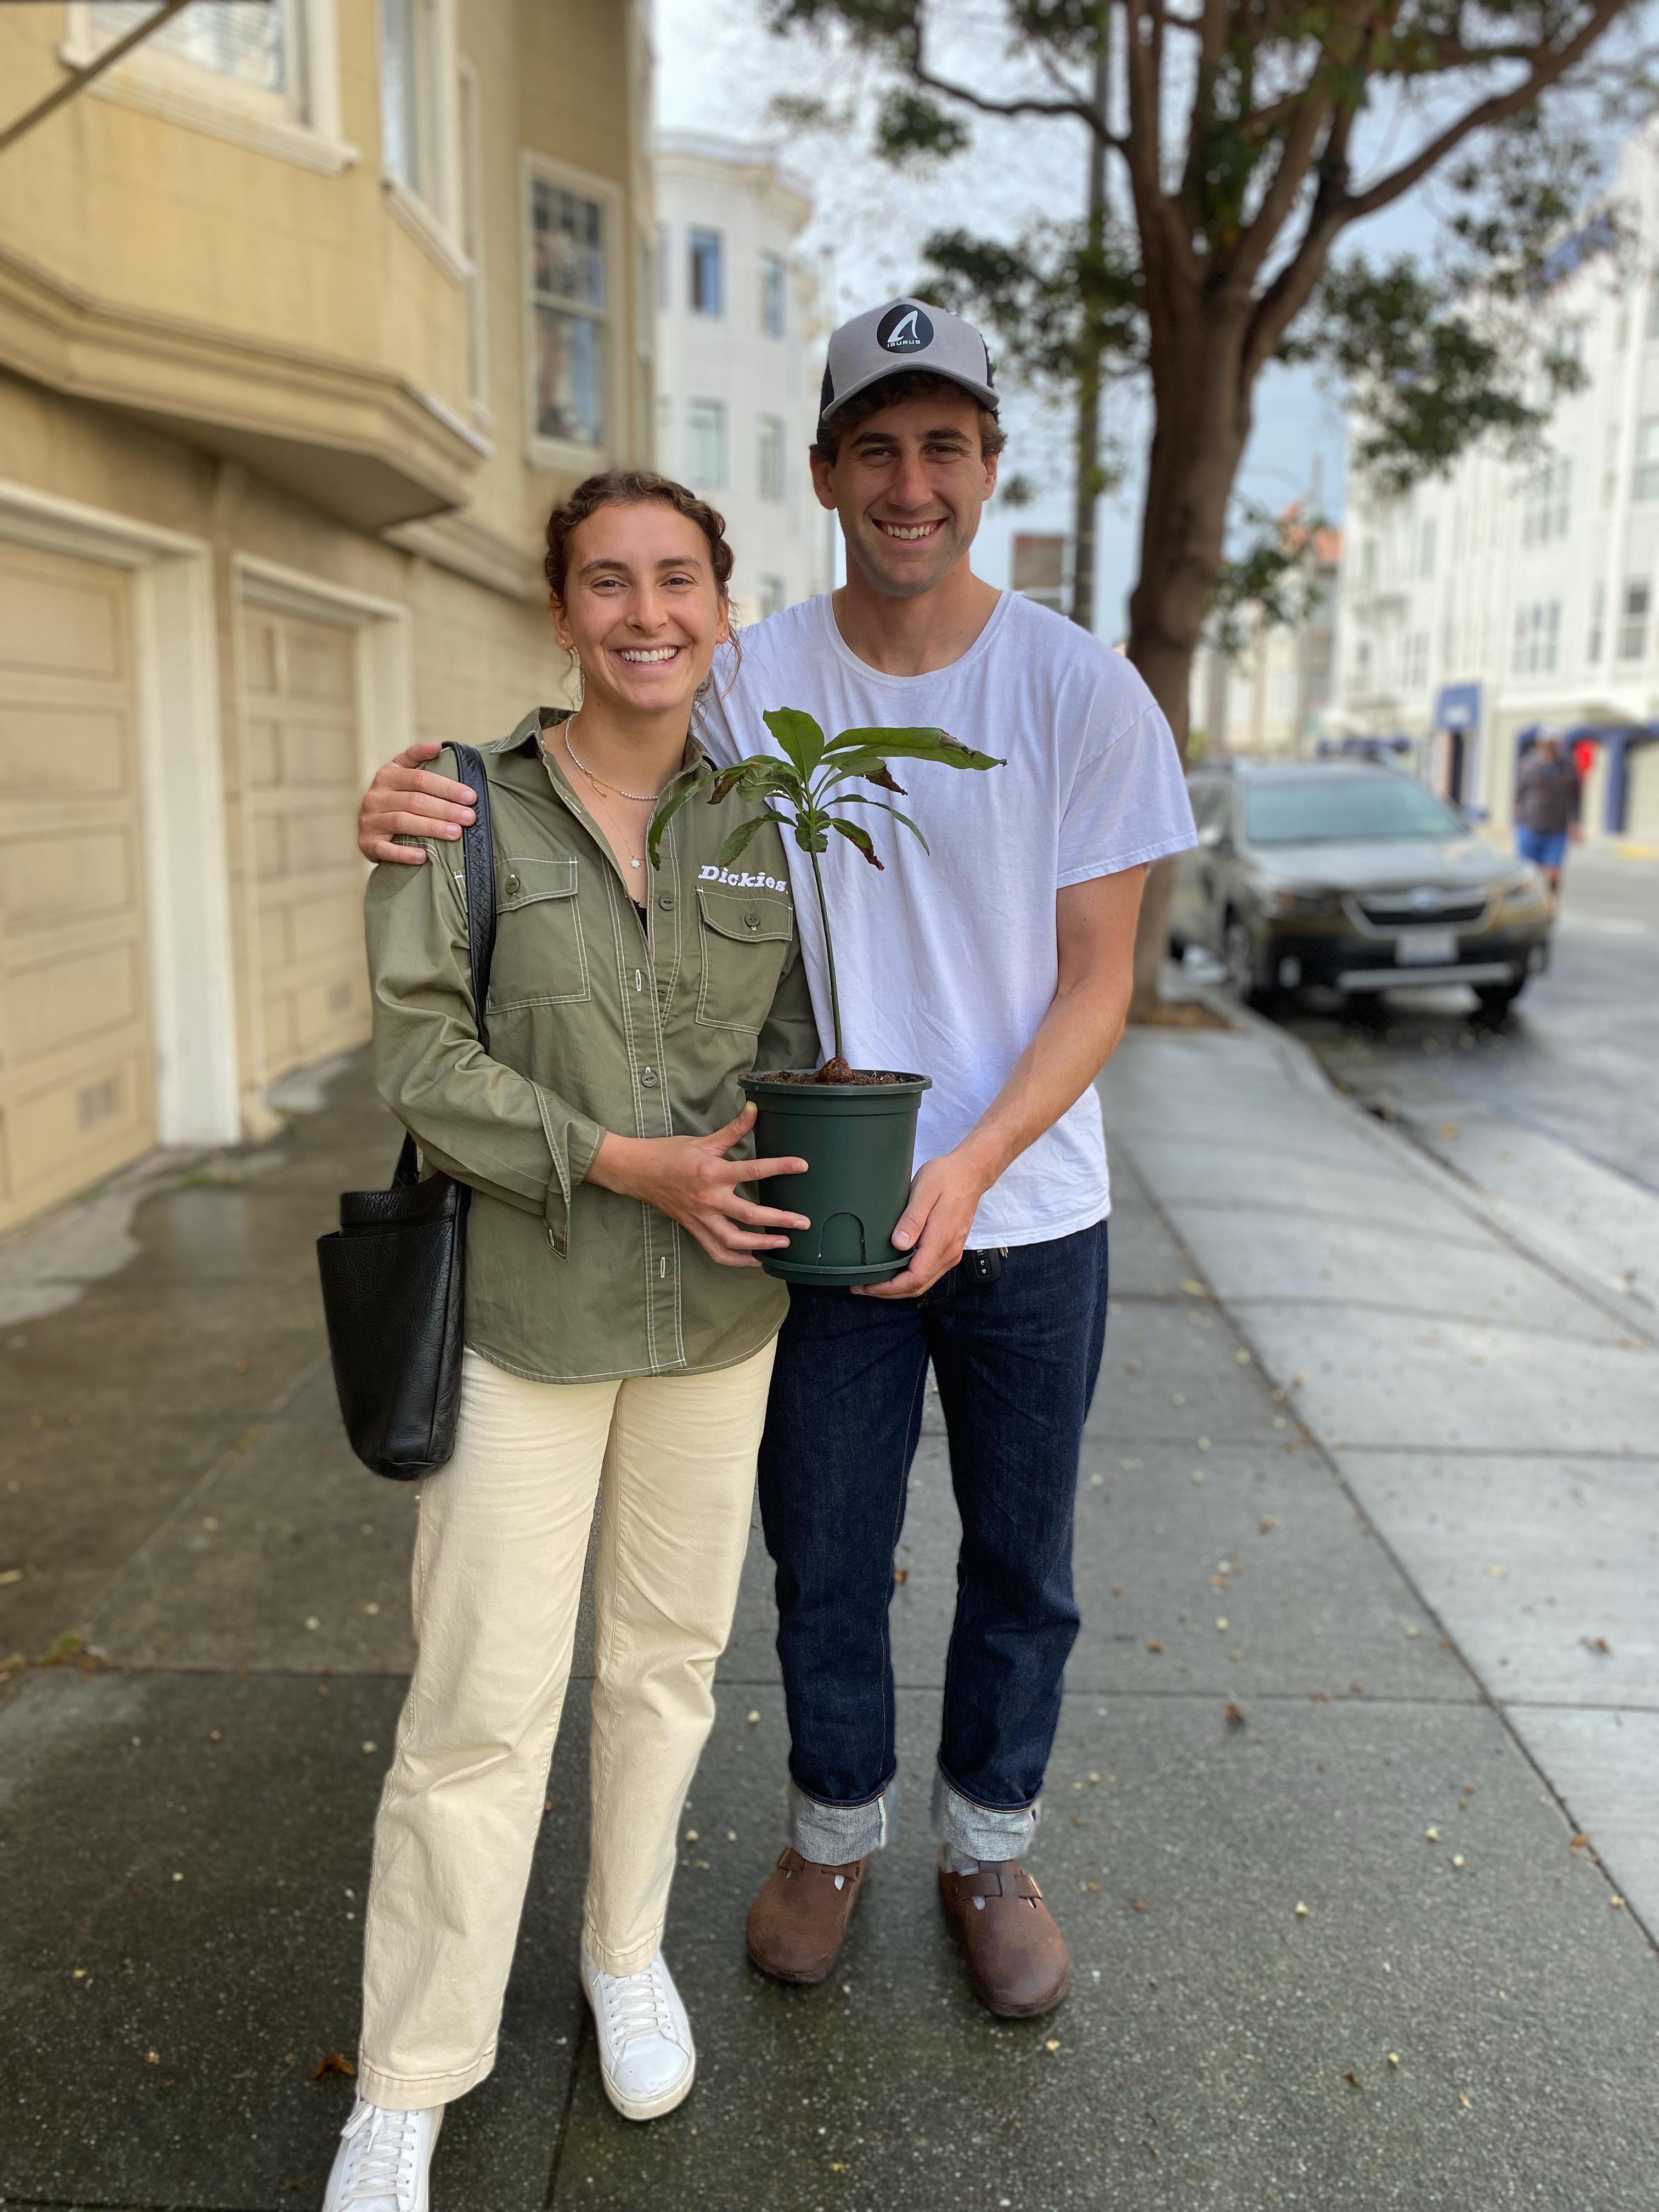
1001	966
1546	798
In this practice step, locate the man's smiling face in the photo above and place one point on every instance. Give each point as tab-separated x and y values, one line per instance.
909	485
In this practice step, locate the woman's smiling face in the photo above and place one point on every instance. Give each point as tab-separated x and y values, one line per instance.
643	610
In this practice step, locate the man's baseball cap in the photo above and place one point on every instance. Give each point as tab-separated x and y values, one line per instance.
905	334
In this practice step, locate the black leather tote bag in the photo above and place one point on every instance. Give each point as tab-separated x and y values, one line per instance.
393	1273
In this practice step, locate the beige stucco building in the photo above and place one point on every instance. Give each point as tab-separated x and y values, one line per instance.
308	313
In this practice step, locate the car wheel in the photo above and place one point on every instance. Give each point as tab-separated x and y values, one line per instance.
1238	957
1495	1000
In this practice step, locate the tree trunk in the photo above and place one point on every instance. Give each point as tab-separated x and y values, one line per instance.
1088	377
1202	424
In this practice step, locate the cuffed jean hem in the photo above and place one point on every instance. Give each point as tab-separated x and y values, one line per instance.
419	2093
835	1835
634	1960
981	1832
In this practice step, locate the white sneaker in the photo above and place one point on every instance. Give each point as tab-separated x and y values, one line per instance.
381	2164
647	2056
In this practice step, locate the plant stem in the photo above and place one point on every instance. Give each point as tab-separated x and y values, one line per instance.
829	953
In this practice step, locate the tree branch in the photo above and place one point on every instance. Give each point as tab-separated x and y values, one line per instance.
1548	66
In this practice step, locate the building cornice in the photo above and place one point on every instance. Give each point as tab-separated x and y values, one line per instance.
466	548
358	440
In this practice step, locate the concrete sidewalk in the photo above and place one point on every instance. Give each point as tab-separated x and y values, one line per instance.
1291	1670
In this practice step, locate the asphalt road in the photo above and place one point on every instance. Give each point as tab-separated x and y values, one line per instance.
1578	1060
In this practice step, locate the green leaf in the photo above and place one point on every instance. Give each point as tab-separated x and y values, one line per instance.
861	838
757	777
858	750
802	741
737	843
856	799
665	814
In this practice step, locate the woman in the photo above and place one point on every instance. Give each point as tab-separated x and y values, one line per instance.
618	1322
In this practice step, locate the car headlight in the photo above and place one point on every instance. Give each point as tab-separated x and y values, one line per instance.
1518	893
1307	906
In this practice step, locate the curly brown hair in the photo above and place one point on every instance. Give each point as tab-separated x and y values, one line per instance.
631	488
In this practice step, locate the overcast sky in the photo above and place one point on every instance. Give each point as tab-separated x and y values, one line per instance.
716	70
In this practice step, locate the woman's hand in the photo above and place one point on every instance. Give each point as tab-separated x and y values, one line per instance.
691	1181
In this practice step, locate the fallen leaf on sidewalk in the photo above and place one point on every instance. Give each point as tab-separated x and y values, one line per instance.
1302	1912
1393	2059
1152	1644
1431	1835
1193	1289
751	1718
1579	1841
1596	1644
1497	1574
1352	2076
1267	1525
900	1574
1236	1715
1137	1905
1052	2044
333	2066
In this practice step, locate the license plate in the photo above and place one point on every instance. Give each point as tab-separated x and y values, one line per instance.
1426	948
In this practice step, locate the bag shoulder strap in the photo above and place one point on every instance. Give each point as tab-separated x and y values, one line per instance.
478	865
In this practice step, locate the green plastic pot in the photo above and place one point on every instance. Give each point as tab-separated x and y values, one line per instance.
859	1142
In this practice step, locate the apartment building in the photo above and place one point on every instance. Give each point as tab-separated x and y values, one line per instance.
308	312
1272	696
1499	598
740	359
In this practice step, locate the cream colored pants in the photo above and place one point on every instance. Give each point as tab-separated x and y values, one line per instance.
498	1573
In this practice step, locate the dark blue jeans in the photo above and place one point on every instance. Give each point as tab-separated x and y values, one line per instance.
1016	1361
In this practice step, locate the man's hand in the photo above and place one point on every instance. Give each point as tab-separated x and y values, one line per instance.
1094	938
404	801
934	1226
691	1181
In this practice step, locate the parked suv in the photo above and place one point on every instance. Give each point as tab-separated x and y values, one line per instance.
1352	876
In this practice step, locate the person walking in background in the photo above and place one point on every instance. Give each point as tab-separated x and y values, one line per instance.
1548	796
600	1339
1003	964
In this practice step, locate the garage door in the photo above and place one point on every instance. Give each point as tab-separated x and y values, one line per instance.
301	690
1642	794
77	1088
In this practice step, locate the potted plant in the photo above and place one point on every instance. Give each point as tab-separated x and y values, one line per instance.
855	1128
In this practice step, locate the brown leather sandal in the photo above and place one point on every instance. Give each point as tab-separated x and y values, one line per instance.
1016	1956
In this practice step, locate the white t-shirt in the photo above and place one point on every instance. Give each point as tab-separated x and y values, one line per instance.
947	961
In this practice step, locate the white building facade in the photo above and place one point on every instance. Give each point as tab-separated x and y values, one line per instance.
1272	698
1497	597
740	359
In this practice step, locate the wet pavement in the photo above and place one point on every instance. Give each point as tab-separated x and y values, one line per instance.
1292	1668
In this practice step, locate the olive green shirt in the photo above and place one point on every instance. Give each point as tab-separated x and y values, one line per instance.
596	1021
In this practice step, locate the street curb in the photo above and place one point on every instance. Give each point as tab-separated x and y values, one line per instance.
1394	1139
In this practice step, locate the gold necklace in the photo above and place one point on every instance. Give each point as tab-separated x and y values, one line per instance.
634	861
640	798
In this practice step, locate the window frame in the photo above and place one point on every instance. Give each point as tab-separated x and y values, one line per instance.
562	453
771	264
772	435
696	233
721	415
302	127
470	212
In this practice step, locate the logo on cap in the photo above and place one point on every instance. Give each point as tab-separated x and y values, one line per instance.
904	330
